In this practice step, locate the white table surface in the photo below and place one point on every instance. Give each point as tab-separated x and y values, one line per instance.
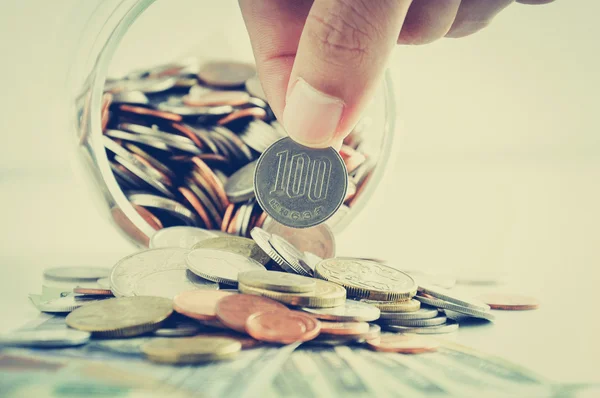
496	170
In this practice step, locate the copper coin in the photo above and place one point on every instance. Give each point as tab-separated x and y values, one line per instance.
234	310
226	74
197	206
285	327
212	179
150	218
227	217
138	110
92	291
216	98
260	221
344	328
232	228
403	343
254	112
509	302
199	304
128	226
189	133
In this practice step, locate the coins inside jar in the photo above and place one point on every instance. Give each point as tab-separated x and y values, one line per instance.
185	154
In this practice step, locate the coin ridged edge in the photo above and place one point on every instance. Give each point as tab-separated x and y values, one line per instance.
438	320
456	308
361	293
292	299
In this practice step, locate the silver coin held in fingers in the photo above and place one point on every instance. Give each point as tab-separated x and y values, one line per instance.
299	186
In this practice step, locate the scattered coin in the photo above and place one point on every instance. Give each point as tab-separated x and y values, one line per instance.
180	329
422	313
344	328
348	312
395	306
453	297
226	73
183	237
367	279
91	291
170	283
326	295
122	317
130	269
438	320
199	304
76	274
284	327
238	245
278	281
403	343
44	338
448	327
510	302
191	350
318	240
477	313
58	305
293	259
220	266
285	191
234	310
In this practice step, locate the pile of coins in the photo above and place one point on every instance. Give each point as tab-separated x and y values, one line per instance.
183	142
200	295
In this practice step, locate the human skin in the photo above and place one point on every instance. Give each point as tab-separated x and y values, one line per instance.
320	61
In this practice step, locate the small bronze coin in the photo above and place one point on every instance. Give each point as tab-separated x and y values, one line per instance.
234	310
92	291
403	343
509	302
199	304
285	327
299	186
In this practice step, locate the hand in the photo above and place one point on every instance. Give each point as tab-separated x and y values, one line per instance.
321	61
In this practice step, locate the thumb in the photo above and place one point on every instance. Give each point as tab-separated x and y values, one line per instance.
342	54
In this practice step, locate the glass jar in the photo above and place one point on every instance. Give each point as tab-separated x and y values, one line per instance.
121	35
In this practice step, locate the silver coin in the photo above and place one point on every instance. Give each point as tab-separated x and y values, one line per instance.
150	85
421	313
453	297
240	186
76	274
169	283
180	329
59	305
158	165
318	240
299	186
476	313
247	217
179	108
137	138
174	208
220	266
448	327
262	240
45	338
259	135
310	261
243	151
141	173
438	320
130	97
132	268
350	311
171	140
277	281
183	237
293	258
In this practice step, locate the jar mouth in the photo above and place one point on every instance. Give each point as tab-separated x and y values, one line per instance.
91	132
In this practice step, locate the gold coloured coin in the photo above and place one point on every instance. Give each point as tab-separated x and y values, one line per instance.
235	244
395	306
277	281
367	279
326	295
191	350
121	317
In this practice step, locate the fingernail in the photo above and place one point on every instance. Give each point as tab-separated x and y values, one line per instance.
311	117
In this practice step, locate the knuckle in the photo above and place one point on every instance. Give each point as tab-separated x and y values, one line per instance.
343	34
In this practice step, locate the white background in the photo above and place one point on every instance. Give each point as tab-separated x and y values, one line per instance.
496	167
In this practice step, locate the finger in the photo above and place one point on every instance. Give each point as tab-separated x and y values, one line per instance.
275	27
428	21
341	58
474	15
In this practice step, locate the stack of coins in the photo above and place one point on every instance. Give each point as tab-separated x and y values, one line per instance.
183	141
